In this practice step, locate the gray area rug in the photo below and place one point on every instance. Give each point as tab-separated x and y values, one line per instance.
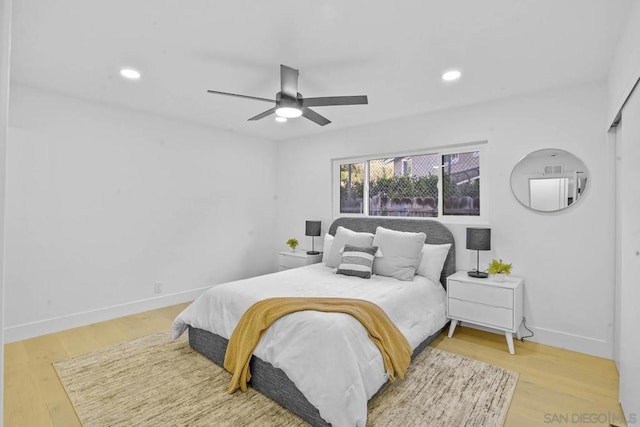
153	381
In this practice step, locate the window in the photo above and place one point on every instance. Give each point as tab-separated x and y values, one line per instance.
440	184
461	184
403	186
351	188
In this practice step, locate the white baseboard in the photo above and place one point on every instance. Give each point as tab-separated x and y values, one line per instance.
57	324
565	340
589	345
579	343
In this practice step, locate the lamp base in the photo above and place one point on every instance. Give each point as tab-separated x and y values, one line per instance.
313	253
478	274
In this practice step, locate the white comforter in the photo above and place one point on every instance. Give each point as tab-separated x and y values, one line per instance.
328	356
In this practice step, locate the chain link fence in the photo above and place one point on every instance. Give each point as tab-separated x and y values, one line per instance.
408	185
351	187
404	186
461	184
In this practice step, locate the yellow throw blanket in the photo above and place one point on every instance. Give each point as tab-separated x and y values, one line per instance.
395	349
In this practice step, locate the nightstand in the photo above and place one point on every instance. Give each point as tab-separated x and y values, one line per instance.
287	260
486	302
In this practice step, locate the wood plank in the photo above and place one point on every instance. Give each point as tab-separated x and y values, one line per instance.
553	381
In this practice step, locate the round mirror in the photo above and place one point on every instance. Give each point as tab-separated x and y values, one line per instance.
549	180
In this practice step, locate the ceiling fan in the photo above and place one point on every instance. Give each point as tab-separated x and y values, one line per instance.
290	103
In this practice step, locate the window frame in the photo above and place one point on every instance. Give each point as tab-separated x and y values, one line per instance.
482	218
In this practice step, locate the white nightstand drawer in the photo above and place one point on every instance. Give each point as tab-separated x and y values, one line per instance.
290	262
482	314
287	260
491	295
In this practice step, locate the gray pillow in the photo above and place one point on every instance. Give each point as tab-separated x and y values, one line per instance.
357	261
343	237
401	253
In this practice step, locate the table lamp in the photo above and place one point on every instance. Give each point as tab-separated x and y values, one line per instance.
313	230
478	239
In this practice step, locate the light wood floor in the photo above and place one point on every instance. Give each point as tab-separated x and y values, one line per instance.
553	383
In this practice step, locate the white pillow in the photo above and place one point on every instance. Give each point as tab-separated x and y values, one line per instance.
402	251
432	261
326	246
343	237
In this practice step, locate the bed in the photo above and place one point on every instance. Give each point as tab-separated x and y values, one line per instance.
279	368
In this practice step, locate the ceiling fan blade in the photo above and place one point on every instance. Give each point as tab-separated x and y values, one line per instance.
269	112
289	81
334	100
241	96
315	117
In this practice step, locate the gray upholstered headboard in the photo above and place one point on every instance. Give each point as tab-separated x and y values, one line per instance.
437	234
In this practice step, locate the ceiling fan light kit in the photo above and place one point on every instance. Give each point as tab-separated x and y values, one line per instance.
288	112
290	103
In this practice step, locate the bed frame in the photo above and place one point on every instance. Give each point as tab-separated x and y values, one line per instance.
273	382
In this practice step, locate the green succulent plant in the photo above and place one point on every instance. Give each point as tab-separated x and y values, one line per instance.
499	267
292	243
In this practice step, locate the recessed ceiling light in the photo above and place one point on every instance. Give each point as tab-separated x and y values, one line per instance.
130	73
451	75
281	119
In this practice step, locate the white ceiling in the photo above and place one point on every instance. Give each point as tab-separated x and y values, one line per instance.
394	52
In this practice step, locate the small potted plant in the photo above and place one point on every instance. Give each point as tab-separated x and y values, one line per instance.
292	243
499	270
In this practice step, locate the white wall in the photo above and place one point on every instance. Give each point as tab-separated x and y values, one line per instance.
566	258
624	71
102	203
5	37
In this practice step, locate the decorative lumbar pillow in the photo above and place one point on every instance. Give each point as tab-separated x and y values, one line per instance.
432	261
357	261
343	237
402	252
326	246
